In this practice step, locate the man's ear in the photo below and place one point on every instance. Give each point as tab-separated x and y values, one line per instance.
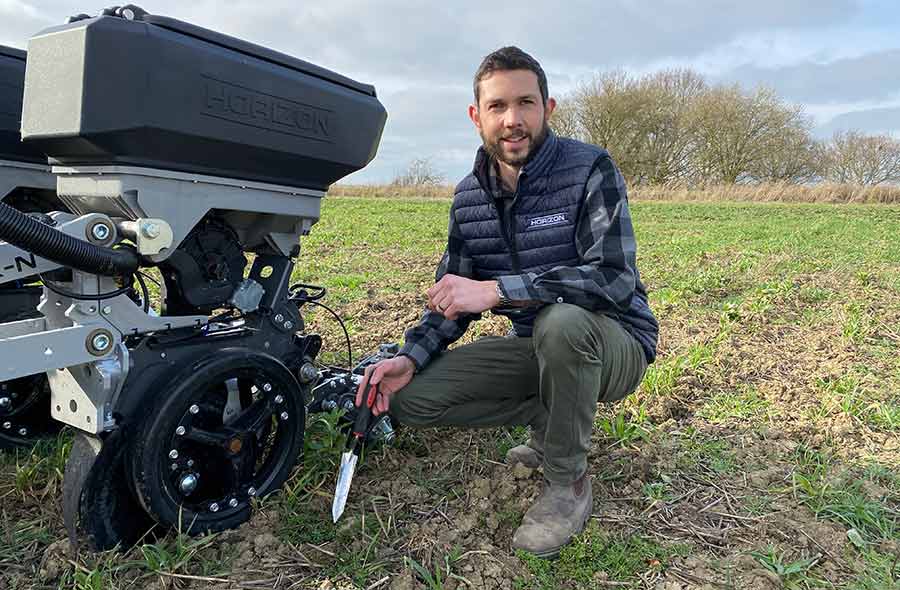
548	109
475	116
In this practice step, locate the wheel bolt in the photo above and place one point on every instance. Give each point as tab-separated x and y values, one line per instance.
267	387
233	502
279	399
23	431
194	409
180	431
288	325
190	463
7	425
5	402
284	415
174	466
188	484
173	454
279	318
214	507
251	491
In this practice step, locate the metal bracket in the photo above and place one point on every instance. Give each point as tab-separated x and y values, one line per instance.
151	236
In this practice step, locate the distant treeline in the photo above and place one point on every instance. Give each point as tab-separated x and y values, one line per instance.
672	128
783	192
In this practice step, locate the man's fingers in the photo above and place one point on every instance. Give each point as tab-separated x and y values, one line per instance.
440	303
452	312
382	402
362	386
435	289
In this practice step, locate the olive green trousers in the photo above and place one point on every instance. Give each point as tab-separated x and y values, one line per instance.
551	381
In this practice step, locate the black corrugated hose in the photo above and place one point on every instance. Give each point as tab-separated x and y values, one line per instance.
29	234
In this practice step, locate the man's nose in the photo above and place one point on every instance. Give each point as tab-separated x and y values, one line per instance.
512	117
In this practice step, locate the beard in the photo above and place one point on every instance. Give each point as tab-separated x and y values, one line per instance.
494	147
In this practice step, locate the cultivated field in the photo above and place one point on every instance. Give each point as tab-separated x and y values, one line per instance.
762	450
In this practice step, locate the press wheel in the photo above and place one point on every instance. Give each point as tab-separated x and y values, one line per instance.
228	429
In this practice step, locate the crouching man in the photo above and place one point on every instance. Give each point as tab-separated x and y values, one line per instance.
540	232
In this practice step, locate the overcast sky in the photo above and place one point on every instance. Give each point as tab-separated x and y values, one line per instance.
839	58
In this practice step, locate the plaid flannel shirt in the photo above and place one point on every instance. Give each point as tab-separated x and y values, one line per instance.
606	279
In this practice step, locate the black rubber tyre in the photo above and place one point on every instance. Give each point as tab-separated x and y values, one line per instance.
226	464
98	503
27	420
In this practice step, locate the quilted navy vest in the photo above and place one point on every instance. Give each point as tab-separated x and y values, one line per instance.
543	221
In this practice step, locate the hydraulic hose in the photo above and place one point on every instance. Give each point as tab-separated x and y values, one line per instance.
29	234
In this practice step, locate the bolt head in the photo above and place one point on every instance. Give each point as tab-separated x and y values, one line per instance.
279	318
214	507
267	387
23	431
284	415
233	502
174	467
180	431
188	483
251	491
5	402
150	230
7	425
308	373
101	342
288	325
190	463
194	409
108	310
173	454
279	399
100	231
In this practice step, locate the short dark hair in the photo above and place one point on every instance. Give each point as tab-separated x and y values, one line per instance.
510	58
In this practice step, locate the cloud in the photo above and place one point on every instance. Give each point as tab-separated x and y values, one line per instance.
429	123
18	19
866	77
421	55
876	121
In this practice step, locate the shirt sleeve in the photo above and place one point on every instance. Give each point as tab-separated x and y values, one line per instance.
604	238
434	332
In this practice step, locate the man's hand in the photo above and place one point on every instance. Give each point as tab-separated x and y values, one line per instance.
454	295
392	375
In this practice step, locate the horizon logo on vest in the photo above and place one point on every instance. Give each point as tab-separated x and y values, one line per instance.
547	220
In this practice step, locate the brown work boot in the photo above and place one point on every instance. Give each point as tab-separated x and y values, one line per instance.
559	514
531	454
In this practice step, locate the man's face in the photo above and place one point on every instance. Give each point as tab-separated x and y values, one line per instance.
511	116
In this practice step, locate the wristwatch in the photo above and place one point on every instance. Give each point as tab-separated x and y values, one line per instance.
504	300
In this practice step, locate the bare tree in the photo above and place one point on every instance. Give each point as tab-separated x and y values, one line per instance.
853	157
609	114
791	156
419	172
565	120
644	122
736	133
669	128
